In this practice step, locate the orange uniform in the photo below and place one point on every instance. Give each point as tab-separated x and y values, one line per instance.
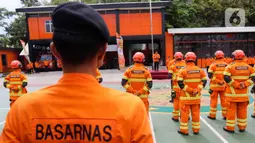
174	70
167	62
79	110
253	91
237	97
217	86
16	82
59	63
137	78
190	97
156	57
99	76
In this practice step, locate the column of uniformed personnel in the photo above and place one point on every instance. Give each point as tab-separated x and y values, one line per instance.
77	108
228	80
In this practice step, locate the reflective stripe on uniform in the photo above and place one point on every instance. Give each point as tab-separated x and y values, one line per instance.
252	75
218	72
124	77
184	126
240	77
145	88
143	96
236	95
242	122
149	79
226	73
176	86
230	123
179	78
190	98
196	125
126	86
136	80
192	80
216	85
15	82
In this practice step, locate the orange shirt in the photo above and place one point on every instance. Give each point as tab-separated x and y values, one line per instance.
192	77
174	69
217	69
137	76
239	71
14	81
156	57
98	74
77	108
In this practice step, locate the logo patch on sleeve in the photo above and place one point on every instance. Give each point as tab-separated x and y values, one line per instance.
73	130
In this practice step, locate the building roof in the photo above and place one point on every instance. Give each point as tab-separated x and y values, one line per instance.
211	30
101	6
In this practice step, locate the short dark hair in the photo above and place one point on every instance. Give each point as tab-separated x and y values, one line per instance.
75	50
79	32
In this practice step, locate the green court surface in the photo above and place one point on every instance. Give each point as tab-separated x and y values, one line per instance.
164	129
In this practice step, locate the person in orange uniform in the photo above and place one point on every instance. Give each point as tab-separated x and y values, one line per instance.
16	82
171	62
253	92
137	79
167	62
156	58
77	108
191	80
208	62
173	75
37	66
239	76
99	76
217	85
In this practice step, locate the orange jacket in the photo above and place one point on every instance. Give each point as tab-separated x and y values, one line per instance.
174	69
137	76
59	63
192	77
156	57
217	69
77	109
98	74
37	64
239	72
14	82
209	61
170	63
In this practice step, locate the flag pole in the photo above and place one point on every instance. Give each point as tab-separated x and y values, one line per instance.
151	30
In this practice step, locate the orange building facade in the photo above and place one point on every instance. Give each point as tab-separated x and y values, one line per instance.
130	20
7	56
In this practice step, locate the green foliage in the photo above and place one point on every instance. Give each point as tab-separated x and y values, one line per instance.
29	3
206	13
16	31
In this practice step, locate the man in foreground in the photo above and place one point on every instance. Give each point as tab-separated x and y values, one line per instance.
77	108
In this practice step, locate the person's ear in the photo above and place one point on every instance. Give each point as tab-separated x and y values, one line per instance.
101	55
54	51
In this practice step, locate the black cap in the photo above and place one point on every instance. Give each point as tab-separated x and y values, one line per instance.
75	19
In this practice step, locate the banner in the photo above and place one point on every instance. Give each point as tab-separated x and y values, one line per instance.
25	51
121	57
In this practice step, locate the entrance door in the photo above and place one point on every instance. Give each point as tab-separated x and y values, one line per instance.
4	63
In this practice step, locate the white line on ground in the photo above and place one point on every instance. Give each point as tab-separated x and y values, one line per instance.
4	108
2	122
153	133
213	130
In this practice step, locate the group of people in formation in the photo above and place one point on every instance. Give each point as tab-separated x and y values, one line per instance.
42	66
228	81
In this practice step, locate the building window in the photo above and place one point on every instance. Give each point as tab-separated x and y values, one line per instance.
49	26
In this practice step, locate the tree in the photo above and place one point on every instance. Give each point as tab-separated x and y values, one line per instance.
29	3
16	31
